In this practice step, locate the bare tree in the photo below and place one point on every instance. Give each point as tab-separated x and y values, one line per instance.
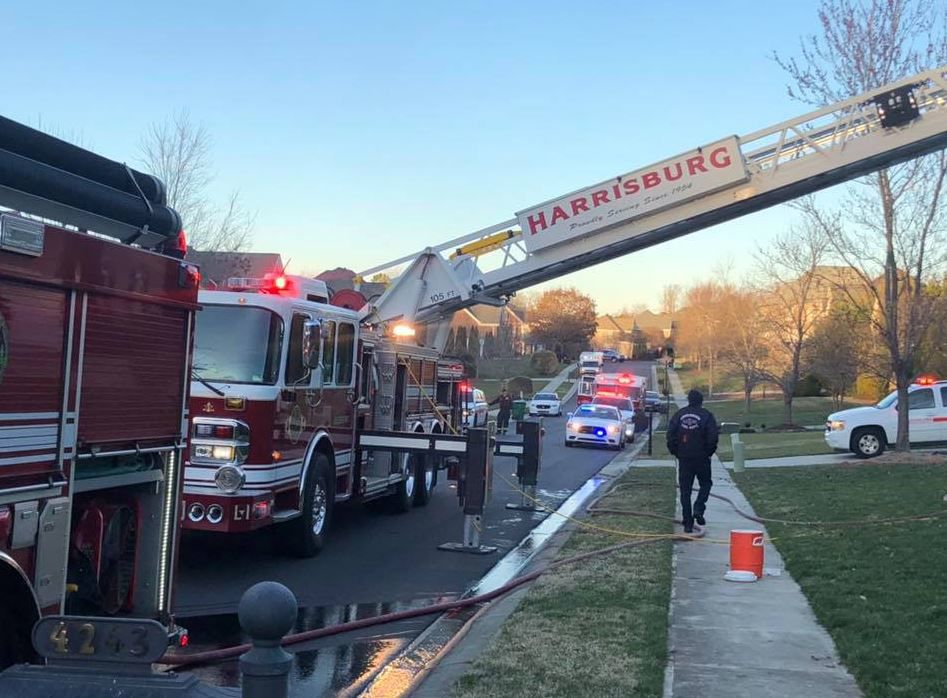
702	325
671	298
891	227
743	349
178	151
789	271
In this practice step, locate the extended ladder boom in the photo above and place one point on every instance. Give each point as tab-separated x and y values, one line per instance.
709	185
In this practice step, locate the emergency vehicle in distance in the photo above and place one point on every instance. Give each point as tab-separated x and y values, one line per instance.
591	362
95	339
284	380
627	385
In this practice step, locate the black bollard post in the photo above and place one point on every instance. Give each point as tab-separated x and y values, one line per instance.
650	429
267	611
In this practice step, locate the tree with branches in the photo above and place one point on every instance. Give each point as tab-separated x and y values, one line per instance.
178	151
563	320
837	351
890	228
789	271
743	349
671	296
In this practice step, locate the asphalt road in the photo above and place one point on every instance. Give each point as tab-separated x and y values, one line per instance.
374	563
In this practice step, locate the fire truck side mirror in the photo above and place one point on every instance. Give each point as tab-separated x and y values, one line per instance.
312	336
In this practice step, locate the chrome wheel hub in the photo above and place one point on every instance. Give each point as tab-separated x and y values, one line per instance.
320	507
869	444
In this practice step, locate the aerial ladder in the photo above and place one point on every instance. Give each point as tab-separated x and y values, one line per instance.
711	184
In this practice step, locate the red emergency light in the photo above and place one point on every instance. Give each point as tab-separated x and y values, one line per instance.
624	378
278	285
926	379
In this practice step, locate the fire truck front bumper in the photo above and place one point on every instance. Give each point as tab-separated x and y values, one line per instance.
226	514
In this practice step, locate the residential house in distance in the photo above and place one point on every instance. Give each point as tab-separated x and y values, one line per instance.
484	330
635	334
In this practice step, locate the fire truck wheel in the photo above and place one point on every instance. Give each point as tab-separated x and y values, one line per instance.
310	530
425	479
15	644
403	498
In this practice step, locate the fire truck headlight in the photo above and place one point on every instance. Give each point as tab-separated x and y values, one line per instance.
229	478
222	453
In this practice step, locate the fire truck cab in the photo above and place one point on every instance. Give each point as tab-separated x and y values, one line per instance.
283	382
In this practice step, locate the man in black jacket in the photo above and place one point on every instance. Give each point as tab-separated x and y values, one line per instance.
692	438
505	402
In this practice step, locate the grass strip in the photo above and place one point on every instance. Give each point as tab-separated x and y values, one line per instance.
878	590
597	628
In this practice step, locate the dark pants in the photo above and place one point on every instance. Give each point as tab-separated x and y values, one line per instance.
687	470
503	420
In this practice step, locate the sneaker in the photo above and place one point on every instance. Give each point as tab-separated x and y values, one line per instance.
699	518
688	528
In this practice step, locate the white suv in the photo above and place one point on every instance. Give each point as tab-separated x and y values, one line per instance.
867	431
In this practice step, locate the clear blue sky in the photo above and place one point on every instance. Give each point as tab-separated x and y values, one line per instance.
363	131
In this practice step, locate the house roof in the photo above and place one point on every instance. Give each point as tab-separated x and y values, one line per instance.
337	274
627	322
220	266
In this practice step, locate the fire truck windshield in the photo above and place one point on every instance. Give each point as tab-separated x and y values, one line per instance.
238	344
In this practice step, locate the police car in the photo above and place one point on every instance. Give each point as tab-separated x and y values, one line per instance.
596	424
867	431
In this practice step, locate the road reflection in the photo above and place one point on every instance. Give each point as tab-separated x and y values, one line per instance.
332	666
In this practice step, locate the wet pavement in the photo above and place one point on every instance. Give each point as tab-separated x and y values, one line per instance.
333	666
375	563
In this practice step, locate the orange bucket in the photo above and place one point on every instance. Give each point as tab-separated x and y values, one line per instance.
746	552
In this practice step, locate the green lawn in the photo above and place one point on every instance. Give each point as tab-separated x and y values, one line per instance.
724	382
775	445
879	590
491	386
807	411
598	628
508	368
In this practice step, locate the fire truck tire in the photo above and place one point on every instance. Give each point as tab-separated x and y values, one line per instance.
403	498
15	642
309	531
425	479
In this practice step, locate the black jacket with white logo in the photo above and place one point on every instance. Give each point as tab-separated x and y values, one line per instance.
692	434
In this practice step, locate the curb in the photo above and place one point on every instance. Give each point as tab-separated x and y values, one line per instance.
408	673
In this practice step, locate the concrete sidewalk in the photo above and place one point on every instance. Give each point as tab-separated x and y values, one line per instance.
782	462
732	639
790	461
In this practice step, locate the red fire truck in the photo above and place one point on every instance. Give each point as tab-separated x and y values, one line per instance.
284	380
627	385
95	335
